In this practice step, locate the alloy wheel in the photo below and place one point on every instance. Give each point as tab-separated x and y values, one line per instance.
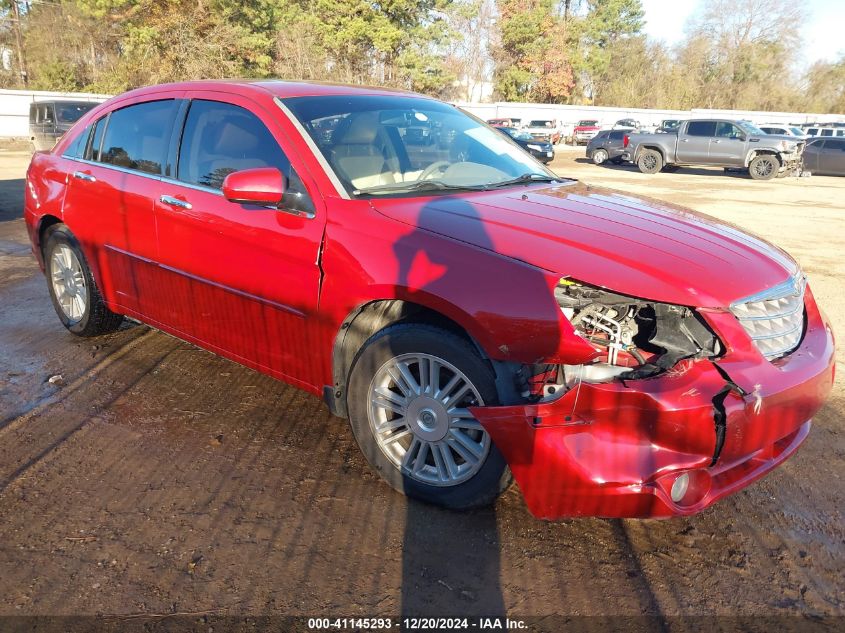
418	414
68	281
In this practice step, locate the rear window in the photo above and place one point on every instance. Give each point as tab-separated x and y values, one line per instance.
137	136
702	128
76	148
72	112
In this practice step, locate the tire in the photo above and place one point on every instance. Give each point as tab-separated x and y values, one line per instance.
74	293
650	161
764	167
600	156
428	475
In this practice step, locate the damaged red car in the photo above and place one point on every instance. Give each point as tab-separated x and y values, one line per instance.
476	317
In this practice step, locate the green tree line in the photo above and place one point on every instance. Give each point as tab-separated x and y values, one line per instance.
740	54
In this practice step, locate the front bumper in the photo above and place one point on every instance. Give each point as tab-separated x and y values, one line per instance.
614	449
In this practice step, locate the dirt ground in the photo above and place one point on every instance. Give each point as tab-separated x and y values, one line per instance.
158	478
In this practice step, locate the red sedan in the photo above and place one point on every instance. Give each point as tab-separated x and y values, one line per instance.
472	314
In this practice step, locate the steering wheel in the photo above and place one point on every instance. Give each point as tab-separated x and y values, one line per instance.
429	171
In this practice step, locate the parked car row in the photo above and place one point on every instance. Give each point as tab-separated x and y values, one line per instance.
768	152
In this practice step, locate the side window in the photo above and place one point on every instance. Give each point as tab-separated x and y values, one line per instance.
137	136
76	148
727	130
92	151
221	138
834	146
617	135
701	128
827	132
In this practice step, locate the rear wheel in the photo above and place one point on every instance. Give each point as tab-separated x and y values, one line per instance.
408	398
599	156
764	167
75	295
650	161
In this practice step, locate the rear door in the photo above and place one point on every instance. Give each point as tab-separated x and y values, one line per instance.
832	158
109	199
811	155
694	142
728	146
240	279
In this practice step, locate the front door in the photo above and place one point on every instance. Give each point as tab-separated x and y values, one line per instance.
728	146
241	279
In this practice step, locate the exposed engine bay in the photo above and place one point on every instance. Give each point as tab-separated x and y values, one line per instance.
636	339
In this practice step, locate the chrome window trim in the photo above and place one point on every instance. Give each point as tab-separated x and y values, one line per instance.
145	174
125	170
318	154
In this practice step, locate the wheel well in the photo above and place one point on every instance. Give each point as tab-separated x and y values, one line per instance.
655	148
763	152
45	223
365	321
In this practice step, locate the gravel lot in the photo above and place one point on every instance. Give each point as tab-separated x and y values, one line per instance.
159	478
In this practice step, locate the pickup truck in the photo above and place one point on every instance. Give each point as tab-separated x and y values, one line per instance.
719	143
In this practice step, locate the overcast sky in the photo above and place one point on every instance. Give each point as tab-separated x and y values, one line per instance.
822	32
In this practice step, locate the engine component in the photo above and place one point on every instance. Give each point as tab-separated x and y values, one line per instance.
639	338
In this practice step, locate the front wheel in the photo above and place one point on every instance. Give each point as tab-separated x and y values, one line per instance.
764	167
75	295
409	393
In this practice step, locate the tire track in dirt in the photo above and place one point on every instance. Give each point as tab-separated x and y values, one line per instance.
18	436
39	405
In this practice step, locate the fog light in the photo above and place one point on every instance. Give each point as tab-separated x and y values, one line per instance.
679	488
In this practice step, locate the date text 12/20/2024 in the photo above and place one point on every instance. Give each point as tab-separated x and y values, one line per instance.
417	624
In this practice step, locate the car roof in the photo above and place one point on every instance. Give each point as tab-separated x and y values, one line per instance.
276	88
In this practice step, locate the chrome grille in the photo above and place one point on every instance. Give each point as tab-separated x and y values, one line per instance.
774	319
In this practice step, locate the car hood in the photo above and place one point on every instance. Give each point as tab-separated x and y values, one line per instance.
632	245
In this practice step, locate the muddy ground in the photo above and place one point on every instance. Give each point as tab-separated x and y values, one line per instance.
159	478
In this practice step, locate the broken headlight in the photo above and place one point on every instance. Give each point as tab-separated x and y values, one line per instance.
636	338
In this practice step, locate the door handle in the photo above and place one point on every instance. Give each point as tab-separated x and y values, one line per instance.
684	140
716	141
84	176
175	202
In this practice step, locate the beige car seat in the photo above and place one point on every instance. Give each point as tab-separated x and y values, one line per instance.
364	154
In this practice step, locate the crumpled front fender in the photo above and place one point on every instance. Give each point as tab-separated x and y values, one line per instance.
614	449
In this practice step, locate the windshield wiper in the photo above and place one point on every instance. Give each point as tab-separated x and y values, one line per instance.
524	179
419	185
439	185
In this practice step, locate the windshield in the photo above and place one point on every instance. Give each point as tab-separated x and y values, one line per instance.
71	112
374	147
797	131
541	124
587	122
750	128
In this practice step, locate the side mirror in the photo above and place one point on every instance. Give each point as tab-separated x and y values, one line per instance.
262	185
